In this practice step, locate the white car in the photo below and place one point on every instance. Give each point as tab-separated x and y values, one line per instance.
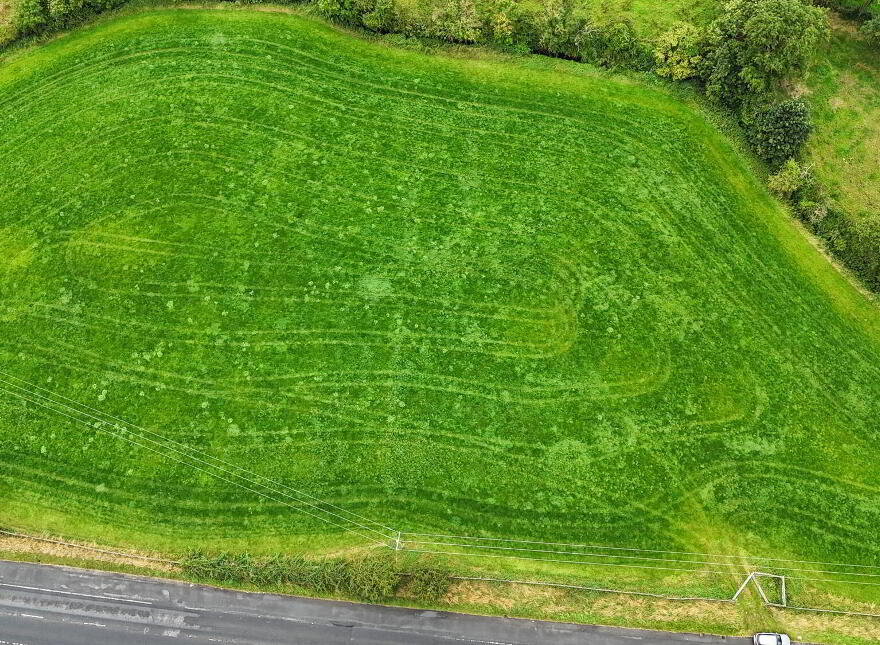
771	639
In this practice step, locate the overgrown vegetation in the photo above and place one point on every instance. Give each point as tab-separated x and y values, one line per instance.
372	578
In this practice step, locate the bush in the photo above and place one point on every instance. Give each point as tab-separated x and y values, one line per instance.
382	17
428	581
677	54
500	21
349	12
617	45
756	44
779	132
812	211
457	21
561	30
377	15
31	16
871	31
791	179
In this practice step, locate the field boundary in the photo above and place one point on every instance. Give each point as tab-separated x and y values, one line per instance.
94	549
753	577
381	535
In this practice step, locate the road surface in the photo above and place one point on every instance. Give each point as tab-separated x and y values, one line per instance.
50	605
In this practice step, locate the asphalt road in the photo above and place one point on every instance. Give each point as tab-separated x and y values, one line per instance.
50	605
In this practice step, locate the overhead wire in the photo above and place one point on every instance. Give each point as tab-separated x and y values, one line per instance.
166	456
194	450
403	535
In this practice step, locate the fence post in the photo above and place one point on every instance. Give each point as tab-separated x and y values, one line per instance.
398	544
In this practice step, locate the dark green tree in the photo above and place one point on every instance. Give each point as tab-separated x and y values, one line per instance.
779	132
31	16
756	44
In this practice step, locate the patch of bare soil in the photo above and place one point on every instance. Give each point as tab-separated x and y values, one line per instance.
79	551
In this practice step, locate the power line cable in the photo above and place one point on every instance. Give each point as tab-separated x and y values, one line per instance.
367	528
199	460
635	557
621	548
195	450
581	562
166	456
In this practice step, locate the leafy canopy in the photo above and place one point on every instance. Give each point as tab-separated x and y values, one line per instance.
871	31
780	131
756	44
677	54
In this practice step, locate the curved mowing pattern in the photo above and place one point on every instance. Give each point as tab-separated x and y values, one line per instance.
450	296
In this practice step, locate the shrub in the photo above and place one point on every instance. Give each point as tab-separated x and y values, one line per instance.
382	17
499	21
31	16
428	581
561	30
779	132
345	11
377	15
791	179
527	22
677	54
456	20
871	31
812	211
756	44
617	45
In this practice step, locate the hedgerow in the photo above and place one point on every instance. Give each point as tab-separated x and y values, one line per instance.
370	578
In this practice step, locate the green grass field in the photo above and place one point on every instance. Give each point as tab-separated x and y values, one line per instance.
843	87
451	295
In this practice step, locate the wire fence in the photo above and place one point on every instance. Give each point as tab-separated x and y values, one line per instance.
87	547
781	571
